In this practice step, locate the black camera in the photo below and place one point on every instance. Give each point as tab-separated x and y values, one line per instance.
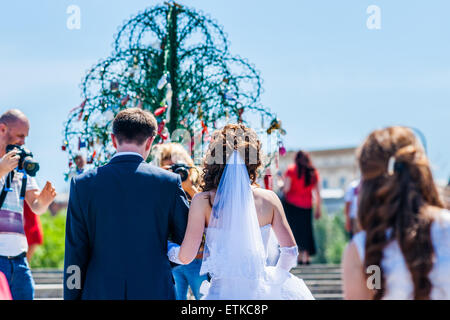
181	169
26	161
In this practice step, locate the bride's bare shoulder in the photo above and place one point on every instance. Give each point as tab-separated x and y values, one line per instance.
265	195
202	198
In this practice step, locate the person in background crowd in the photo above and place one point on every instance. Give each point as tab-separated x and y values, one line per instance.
14	128
80	163
169	154
301	186
33	230
185	275
351	207
405	237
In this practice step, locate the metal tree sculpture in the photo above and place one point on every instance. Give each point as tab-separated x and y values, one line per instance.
175	62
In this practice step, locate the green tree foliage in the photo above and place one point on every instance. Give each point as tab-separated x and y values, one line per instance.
51	253
331	238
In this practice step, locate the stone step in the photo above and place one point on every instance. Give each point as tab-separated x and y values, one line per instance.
328	296
319	276
326	289
324	281
48	291
319	266
316	272
48	281
304	276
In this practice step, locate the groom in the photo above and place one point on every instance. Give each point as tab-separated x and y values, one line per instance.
119	219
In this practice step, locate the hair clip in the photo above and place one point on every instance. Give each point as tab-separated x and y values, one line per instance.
391	165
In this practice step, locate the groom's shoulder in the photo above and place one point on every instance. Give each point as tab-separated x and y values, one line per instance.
146	169
157	172
85	176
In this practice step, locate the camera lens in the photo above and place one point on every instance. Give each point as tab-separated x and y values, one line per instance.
183	172
31	167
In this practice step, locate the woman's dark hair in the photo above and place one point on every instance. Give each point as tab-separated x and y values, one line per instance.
305	167
397	198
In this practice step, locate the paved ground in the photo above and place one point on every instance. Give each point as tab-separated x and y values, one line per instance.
324	281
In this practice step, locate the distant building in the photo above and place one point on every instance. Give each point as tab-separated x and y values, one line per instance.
337	168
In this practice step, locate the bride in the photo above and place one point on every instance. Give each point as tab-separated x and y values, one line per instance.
237	217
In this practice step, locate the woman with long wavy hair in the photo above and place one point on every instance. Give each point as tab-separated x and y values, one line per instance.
403	250
300	189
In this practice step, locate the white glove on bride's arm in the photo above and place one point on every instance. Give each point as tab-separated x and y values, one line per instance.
288	258
173	251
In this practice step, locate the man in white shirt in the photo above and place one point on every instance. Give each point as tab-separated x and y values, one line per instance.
14	128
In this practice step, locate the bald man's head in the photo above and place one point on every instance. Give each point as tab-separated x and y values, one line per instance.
12	116
14	127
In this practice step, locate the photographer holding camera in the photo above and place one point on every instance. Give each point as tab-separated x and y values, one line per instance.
17	171
175	158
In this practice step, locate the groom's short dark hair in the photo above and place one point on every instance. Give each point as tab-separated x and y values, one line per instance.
134	125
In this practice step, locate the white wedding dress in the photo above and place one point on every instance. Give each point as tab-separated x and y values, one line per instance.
237	249
276	284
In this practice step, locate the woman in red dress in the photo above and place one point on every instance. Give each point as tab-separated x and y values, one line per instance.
301	186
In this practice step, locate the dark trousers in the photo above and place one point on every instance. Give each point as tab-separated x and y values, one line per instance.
301	222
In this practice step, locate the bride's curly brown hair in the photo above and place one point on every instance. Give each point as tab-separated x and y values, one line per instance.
223	142
399	200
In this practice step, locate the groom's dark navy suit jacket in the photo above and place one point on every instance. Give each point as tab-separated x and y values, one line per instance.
119	219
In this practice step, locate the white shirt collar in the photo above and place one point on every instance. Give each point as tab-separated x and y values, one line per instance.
127	153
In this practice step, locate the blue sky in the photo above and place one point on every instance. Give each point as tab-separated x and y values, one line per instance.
327	76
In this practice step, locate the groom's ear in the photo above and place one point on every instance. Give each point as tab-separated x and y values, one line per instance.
149	143
114	140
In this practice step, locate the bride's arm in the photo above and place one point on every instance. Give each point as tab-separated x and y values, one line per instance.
195	228
280	224
288	247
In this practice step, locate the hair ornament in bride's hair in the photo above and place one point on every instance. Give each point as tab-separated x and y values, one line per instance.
394	166
391	165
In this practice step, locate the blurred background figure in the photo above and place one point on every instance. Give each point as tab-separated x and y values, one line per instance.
351	207
301	193
80	163
33	230
405	240
174	157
